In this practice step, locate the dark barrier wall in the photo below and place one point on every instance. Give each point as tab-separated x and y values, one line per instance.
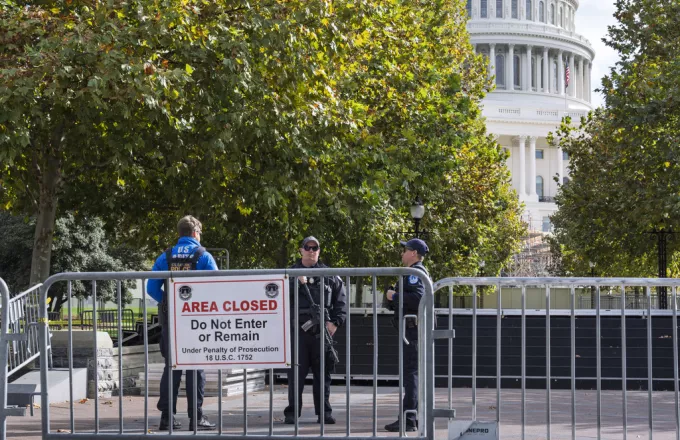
560	356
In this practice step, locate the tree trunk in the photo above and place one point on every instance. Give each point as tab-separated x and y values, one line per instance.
283	254
50	181
359	299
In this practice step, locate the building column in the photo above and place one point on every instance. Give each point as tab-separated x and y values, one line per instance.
587	94
527	85
521	141
534	15
532	168
510	81
572	76
546	71
492	59
560	165
560	72
580	78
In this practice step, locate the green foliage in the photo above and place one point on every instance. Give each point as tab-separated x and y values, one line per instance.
268	120
80	245
624	157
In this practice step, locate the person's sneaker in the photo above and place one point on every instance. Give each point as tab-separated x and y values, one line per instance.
328	420
289	420
164	425
203	425
394	427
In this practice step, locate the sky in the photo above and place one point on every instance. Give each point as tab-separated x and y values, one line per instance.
592	19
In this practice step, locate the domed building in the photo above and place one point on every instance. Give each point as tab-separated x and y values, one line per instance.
542	71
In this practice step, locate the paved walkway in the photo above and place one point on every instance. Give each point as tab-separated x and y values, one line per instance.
361	414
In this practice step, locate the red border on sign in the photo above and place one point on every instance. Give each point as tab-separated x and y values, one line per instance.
285	320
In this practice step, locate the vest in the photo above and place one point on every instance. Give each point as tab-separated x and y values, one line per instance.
188	262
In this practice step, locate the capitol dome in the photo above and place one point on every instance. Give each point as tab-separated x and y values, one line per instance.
531	45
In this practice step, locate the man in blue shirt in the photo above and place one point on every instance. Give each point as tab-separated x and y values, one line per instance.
412	256
187	254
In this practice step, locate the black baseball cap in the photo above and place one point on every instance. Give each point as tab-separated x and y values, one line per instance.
308	239
417	245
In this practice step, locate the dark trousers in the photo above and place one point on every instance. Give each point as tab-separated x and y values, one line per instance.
410	367
308	357
164	401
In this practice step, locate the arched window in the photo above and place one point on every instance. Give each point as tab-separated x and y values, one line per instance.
500	70
515	9
541	12
499	8
554	76
468	8
529	4
552	14
561	17
539	186
517	64
533	73
484	4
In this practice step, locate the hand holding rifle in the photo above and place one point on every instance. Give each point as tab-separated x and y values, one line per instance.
332	354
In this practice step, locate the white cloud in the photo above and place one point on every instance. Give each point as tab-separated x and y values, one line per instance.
592	19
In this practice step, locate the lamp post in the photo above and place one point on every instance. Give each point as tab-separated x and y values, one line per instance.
592	288
662	235
417	212
482	264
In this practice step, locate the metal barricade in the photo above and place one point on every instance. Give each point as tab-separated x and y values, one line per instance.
19	341
566	366
93	427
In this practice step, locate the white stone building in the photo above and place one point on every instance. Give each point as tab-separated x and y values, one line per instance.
529	44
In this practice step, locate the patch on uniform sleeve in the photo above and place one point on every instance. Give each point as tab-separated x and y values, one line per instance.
413	279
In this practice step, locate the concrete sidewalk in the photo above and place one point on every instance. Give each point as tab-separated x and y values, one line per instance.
361	410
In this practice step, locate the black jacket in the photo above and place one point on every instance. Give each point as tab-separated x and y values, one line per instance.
335	299
414	289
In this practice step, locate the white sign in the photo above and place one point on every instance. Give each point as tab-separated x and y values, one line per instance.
227	322
470	429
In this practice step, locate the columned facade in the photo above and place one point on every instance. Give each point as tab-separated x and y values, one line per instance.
529	44
542	69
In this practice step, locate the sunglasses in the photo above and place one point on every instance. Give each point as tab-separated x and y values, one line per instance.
406	249
311	248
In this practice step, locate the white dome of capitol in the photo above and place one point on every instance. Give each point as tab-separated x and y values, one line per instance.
533	49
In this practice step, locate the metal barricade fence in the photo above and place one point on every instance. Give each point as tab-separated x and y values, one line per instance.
19	341
426	412
507	372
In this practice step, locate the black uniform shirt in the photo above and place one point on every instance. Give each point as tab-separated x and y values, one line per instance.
335	299
414	289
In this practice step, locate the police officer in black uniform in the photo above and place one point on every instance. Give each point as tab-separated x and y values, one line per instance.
187	254
308	336
412	256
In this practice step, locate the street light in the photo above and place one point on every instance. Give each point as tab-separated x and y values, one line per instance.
592	288
662	235
417	213
482	264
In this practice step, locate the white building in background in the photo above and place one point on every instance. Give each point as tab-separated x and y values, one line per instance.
529	44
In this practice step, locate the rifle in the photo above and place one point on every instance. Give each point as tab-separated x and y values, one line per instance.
331	353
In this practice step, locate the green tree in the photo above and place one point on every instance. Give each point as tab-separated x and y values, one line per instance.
268	121
407	83
80	245
624	157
